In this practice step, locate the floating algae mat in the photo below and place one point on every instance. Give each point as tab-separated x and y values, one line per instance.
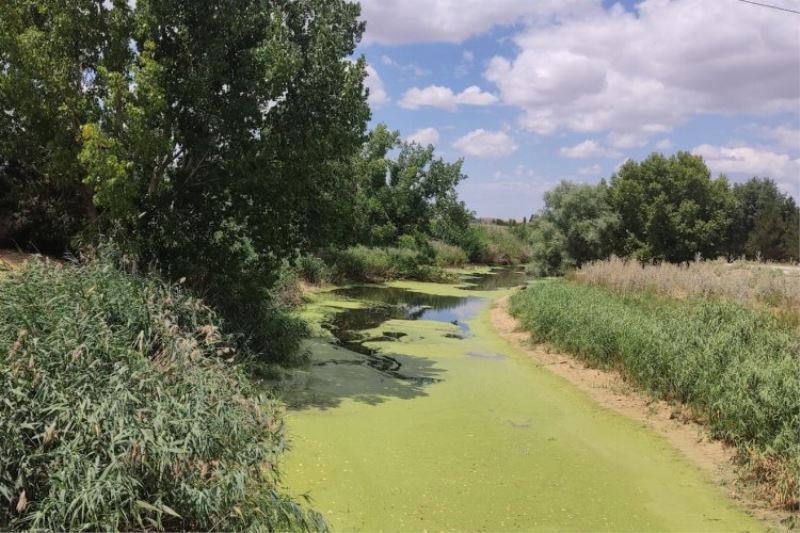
414	415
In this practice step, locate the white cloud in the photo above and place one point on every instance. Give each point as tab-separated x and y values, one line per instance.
377	91
482	143
664	144
410	68
626	140
467	60
424	137
453	21
587	149
591	170
644	72
748	162
786	137
445	98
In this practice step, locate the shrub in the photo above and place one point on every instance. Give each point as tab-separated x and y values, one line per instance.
312	269
362	263
736	367
447	255
120	410
499	246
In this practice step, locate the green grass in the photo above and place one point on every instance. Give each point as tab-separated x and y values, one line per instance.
737	368
121	409
377	264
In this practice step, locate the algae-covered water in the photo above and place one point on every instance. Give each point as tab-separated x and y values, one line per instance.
414	415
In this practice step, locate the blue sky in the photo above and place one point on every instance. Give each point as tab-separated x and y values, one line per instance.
530	92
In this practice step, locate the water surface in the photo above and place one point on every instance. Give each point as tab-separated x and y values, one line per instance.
414	415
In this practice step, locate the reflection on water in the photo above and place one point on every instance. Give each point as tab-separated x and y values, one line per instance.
389	303
498	278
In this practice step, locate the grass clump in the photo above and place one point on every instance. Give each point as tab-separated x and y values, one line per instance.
736	367
121	409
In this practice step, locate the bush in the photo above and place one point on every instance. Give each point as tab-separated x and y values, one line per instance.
447	255
120	410
312	269
736	367
499	246
365	264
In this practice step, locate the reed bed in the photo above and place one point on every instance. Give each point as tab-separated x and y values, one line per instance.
741	281
735	367
121	409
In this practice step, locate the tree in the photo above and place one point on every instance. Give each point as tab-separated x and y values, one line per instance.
584	217
670	209
765	222
211	137
411	193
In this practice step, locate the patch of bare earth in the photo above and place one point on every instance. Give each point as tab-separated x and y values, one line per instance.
608	389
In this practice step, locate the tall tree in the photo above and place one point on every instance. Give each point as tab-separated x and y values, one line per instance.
765	222
582	214
670	208
209	136
406	192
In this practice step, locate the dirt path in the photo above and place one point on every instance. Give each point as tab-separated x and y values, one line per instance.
610	390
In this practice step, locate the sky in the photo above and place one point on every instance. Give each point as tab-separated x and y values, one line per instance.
532	92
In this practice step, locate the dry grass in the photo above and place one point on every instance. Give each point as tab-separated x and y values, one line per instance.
740	281
11	259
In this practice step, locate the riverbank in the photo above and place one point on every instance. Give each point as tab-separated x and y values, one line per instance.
608	389
423	417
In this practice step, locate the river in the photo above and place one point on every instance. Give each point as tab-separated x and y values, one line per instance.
414	415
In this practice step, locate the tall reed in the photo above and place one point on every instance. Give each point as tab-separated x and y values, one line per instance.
121	409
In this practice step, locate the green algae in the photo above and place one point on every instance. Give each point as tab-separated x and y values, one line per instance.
488	444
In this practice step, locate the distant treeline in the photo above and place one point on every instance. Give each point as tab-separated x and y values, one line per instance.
663	209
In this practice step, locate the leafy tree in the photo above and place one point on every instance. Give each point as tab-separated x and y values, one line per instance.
584	217
670	208
211	137
409	193
765	222
548	247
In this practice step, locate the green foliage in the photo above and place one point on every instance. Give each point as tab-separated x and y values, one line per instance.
447	255
214	150
549	255
120	409
498	245
765	223
735	366
362	263
404	195
576	225
670	209
312	269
